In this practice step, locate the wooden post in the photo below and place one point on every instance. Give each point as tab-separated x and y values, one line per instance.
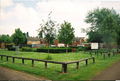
113	52
64	68
91	53
101	53
93	60
77	65
104	56
13	60
23	61
45	65
95	53
109	55
7	58
86	62
32	63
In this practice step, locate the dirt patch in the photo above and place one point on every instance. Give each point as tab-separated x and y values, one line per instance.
9	74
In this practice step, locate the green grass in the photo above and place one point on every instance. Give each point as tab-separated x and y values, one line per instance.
54	71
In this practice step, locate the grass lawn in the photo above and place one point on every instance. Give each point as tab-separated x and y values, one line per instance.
54	71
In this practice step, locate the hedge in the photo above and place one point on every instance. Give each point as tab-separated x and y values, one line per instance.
8	46
11	48
84	48
54	50
29	49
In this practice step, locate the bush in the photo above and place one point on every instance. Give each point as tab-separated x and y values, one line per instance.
48	57
84	48
11	48
8	46
29	49
54	50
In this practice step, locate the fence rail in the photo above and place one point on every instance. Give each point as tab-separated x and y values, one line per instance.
64	64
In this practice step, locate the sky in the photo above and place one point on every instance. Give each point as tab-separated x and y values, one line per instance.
28	14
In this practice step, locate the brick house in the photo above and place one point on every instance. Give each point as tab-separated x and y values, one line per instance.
78	41
33	40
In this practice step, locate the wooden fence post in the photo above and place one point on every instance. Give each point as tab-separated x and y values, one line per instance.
101	53
23	61
45	65
86	62
13	60
113	52
1	57
77	65
7	58
64	68
95	53
104	56
93	60
32	63
109	55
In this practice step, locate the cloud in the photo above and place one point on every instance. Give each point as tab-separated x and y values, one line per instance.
29	18
73	12
5	3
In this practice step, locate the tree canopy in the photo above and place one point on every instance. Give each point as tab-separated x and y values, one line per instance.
66	33
106	22
49	30
18	37
5	39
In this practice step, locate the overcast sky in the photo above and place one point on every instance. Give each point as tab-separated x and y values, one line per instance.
28	14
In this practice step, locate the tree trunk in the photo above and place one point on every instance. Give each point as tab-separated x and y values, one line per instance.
48	48
66	49
17	50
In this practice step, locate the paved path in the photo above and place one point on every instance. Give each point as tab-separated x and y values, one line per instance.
111	73
8	74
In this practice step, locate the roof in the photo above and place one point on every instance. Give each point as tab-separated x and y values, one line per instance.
78	38
32	39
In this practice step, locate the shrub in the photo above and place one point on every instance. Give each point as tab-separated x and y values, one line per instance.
29	49
84	48
20	49
48	57
8	46
54	50
11	48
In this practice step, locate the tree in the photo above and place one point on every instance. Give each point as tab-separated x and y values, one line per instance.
18	38
49	31
107	30
96	18
5	39
66	33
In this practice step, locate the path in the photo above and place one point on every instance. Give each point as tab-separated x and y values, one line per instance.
112	73
9	74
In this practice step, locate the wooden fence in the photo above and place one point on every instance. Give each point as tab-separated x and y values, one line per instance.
64	64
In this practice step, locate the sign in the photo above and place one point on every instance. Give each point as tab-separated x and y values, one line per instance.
94	45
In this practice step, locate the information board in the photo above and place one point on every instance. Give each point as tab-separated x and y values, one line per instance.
94	45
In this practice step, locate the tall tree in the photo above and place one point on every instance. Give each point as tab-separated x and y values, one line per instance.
49	30
5	39
66	33
107	30
96	18
18	37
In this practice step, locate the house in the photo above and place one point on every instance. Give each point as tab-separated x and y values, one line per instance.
78	41
33	40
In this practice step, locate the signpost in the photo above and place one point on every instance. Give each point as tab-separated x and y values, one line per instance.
94	46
